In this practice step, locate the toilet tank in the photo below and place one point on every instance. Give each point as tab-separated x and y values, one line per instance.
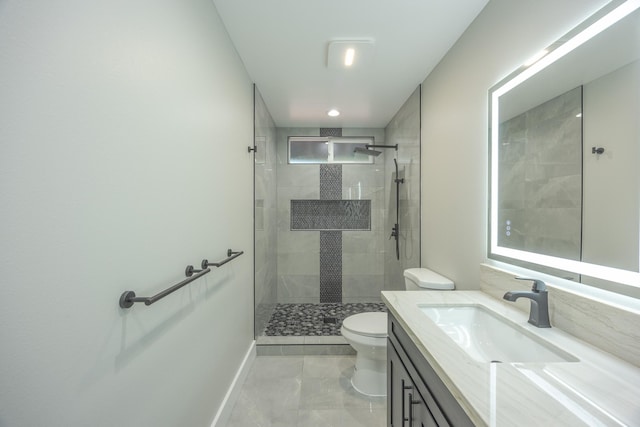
422	279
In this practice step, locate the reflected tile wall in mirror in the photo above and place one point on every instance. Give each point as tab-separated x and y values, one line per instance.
540	188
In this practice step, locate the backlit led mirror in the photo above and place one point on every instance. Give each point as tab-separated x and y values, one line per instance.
565	156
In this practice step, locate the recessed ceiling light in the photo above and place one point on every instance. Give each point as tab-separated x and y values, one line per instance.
348	57
333	113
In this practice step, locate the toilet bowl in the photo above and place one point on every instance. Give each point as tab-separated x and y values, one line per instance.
367	334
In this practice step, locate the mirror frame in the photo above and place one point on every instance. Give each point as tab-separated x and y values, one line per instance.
600	21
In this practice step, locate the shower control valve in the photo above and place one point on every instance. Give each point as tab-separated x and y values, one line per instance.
394	232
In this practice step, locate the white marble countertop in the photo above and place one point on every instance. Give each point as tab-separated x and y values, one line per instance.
598	390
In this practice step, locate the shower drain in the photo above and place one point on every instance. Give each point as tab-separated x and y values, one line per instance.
330	320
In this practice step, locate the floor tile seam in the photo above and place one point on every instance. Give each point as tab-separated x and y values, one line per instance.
339	406
254	385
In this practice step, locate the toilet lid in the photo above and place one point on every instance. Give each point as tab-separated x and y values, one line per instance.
368	324
428	279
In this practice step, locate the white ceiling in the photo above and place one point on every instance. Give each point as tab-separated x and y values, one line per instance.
283	44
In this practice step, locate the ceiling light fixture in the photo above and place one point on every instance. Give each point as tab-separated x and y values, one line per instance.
348	57
333	113
342	54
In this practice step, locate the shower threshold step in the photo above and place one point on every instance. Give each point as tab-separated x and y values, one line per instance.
303	346
299	340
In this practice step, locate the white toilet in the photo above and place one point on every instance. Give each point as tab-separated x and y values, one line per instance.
367	334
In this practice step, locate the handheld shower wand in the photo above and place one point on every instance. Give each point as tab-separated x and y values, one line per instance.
395	232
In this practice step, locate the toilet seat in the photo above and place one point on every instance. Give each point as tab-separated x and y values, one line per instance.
372	324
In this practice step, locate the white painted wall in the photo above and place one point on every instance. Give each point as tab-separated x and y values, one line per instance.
124	129
455	123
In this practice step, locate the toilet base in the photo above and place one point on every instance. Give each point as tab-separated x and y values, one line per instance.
370	376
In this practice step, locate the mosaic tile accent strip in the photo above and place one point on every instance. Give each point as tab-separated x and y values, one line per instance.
330	215
330	182
330	131
331	266
309	319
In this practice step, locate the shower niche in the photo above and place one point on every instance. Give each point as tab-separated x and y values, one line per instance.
331	215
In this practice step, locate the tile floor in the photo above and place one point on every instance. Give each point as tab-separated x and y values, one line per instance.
304	391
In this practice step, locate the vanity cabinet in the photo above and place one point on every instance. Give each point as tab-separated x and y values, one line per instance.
406	405
416	395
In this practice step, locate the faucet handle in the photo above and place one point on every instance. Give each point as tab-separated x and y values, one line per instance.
538	285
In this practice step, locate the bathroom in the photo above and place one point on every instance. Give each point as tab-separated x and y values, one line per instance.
125	130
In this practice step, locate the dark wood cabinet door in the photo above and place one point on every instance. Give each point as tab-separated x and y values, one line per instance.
398	382
417	397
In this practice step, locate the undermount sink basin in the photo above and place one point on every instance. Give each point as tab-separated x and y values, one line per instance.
489	337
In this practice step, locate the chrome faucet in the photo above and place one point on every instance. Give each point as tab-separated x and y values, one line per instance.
539	314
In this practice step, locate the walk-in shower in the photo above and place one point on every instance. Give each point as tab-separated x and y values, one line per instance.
327	203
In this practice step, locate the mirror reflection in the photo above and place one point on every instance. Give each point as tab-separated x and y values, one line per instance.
565	152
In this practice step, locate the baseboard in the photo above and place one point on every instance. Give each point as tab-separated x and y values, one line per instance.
224	412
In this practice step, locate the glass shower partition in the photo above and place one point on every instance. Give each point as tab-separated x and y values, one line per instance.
323	218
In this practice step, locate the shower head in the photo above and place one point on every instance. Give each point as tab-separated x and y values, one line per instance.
361	150
367	149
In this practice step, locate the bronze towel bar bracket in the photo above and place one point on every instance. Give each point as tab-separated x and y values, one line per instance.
231	255
128	298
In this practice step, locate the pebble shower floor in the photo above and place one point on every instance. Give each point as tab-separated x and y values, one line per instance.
324	319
